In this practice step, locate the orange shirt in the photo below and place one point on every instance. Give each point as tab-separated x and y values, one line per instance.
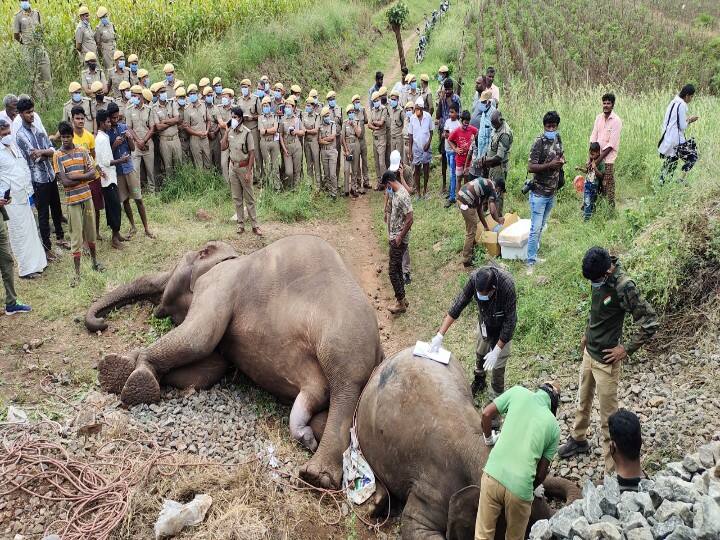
606	131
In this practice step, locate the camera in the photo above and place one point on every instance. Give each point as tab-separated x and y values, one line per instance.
527	186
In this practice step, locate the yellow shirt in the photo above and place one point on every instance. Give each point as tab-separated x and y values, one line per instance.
87	142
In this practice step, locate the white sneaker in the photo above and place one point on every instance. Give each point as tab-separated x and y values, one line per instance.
530	270
540	261
234	218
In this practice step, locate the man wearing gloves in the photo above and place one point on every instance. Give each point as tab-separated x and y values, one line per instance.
494	291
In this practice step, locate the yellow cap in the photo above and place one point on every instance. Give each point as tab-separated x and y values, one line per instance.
382	91
424	77
147	94
154	87
124	85
90	56
313	93
117	55
136	89
133	58
325	111
180	92
217	80
375	95
192	88
245	82
203	82
266	100
74	87
178	84
409	105
169	68
443	69
102	11
279	86
295	89
97	86
486	95
349	109
356	97
142	73
395	93
409	77
207	90
310	100
290	101
83	10
331	94
228	92
264	78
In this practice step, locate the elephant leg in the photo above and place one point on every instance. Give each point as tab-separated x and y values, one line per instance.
114	370
200	375
308	402
377	504
317	423
415	523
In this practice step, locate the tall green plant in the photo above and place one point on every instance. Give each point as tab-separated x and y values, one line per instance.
397	16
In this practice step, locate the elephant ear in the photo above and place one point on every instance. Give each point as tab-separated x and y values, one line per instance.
462	512
211	254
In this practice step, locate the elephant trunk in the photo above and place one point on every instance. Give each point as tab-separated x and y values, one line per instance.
148	287
561	489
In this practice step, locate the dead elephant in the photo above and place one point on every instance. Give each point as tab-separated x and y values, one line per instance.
289	316
421	434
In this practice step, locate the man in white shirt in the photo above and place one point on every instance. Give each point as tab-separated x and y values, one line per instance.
675	123
108	177
9	111
15	179
420	133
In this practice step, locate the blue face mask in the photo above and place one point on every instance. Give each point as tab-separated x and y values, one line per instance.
245	91
413	85
121	64
482	297
105	21
351	116
393	103
77	97
169	78
218	89
260	93
389	191
331	102
308	108
193	98
146	81
408	114
135	100
550	135
225	101
277	94
133	68
181	102
128	95
288	111
597	284
440	78
327	120
24	6
376	104
266	109
209	100
163	96
357	106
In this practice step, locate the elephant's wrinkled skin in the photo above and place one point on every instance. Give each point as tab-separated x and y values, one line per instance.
289	316
421	434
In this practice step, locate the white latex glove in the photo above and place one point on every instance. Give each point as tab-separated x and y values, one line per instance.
491	358
492	439
436	342
540	491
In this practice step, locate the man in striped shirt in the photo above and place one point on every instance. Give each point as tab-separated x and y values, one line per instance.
472	199
76	169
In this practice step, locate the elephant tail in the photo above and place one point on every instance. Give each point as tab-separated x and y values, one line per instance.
149	287
559	488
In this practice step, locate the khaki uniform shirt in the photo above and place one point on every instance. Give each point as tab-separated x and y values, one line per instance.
268	121
348	131
250	107
286	124
397	121
87	78
213	113
225	114
105	38
24	23
168	111
311	121
240	144
409	96
116	78
336	114
87	105
427	96
328	130
182	113
104	105
133	78
141	120
196	117
85	38
379	115
362	117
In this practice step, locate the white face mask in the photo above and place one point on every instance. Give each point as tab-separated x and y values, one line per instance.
234	123
7	140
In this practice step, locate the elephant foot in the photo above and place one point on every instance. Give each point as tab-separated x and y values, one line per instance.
377	504
322	474
141	387
306	437
113	372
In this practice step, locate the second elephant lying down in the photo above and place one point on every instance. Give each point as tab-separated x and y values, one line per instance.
420	432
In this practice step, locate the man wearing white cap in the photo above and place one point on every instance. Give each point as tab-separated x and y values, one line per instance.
397	167
420	132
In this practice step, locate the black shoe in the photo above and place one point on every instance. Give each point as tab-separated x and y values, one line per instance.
467	264
408	279
449	203
479	384
573	447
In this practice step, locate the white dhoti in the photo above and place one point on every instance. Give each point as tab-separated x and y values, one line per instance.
25	239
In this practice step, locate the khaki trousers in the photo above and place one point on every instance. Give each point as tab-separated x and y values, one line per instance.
604	377
7	264
494	498
185	145
270	151
379	147
365	180
171	153
242	194
146	158
312	159
200	150
293	163
329	160
353	179
472	219
259	168
397	143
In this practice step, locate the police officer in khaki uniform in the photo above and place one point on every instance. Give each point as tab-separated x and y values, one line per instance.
268	127
197	125
361	116
168	120
214	134
170	81
78	100
411	94
337	117
143	78
397	122
217	87
311	126
224	116
350	140
117	75
291	130
296	92
313	95
25	32
125	95
98	95
406	152
84	36
91	73
105	38
238	142
277	99
426	93
249	102
328	149
141	121
134	65
181	101
378	125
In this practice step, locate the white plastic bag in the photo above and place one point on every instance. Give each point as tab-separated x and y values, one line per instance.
174	516
16	415
358	477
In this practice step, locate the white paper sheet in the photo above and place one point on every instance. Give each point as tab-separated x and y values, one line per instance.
422	349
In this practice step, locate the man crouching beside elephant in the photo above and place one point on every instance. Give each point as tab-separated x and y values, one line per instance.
520	460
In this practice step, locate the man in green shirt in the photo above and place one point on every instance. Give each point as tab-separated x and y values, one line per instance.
614	295
520	460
